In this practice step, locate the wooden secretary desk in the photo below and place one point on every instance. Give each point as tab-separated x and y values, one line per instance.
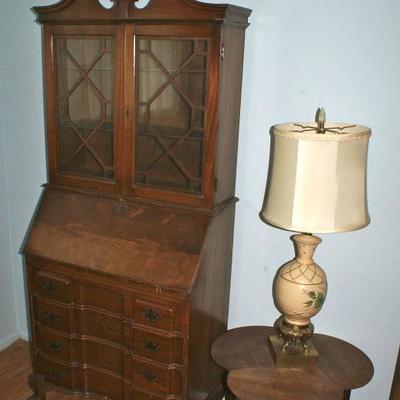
128	256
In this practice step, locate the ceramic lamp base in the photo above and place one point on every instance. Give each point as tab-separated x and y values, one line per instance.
300	289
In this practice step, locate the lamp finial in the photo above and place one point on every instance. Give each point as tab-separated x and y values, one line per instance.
320	119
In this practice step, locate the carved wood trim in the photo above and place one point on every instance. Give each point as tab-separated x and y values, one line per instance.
80	11
75	9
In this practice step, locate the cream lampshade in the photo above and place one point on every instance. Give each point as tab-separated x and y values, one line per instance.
316	184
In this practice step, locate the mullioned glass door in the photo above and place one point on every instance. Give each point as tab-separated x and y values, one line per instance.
171	97
85	83
173	122
83	127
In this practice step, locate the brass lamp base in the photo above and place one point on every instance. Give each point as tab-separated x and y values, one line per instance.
292	348
294	334
293	356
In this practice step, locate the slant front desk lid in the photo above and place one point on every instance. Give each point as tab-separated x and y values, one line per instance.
155	245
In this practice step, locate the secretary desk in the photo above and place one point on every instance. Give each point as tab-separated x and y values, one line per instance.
128	255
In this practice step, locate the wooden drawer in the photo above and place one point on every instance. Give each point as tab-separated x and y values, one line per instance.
100	325
145	396
53	316
165	349
54	372
53	345
53	286
158	315
100	355
103	384
156	379
103	298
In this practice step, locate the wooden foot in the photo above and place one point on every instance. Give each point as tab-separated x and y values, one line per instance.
38	392
41	396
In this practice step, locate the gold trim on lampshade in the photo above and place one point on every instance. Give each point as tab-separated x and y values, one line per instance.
317	181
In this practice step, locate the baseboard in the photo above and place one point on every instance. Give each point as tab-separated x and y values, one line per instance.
8	340
24	336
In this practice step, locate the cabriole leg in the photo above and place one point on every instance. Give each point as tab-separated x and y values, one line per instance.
39	392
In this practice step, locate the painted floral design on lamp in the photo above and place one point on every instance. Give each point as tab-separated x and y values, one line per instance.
317	299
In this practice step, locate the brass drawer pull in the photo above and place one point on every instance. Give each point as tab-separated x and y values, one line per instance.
151	346
54	346
151	315
50	317
149	376
57	373
50	287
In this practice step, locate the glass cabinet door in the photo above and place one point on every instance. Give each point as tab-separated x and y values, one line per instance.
84	91
84	76
130	109
171	95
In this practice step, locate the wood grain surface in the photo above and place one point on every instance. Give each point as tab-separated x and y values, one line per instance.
245	353
153	245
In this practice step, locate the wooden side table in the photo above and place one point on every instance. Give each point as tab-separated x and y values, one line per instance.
252	375
395	392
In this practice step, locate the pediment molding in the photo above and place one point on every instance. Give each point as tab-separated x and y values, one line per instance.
81	11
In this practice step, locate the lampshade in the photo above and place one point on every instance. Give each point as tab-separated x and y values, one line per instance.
317	181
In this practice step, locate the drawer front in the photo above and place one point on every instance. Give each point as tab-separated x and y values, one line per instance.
156	315
103	298
55	373
145	396
53	286
53	316
103	384
54	345
156	379
100	325
165	349
101	355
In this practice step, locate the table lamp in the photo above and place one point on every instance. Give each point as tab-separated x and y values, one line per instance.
316	184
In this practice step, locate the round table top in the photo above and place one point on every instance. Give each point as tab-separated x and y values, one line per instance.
245	353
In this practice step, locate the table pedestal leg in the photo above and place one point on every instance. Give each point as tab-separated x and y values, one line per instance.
347	394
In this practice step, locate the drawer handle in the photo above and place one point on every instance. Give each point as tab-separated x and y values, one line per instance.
50	287
151	315
149	376
151	346
57	373
50	317
54	346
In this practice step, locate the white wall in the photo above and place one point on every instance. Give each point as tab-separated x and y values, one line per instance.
8	320
22	111
342	54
